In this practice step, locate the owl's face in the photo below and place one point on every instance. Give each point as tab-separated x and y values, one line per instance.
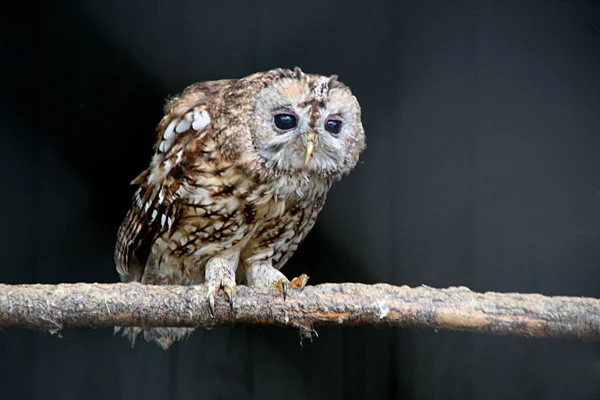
306	123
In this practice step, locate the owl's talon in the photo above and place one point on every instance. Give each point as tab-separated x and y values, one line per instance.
284	291
211	305
229	295
299	282
281	285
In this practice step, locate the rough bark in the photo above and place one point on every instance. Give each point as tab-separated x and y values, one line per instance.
54	307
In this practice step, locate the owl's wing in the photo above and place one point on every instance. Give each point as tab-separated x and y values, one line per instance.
155	205
152	214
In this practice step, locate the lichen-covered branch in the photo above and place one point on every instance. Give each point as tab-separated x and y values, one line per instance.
54	307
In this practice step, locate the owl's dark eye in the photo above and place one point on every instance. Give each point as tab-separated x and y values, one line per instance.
333	126
285	122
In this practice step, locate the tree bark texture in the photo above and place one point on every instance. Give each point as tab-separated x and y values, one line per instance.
55	307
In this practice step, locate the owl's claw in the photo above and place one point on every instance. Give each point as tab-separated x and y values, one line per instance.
229	295
211	304
299	282
283	284
284	291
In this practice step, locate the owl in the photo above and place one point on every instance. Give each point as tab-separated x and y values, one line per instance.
240	172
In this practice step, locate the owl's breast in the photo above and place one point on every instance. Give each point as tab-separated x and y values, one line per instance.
285	213
230	215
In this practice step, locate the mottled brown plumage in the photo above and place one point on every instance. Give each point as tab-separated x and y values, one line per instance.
229	194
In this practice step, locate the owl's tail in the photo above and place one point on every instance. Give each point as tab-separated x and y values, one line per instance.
164	337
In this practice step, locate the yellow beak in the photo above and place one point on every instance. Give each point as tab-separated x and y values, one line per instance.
309	149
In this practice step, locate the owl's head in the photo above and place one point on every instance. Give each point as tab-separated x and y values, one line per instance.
300	123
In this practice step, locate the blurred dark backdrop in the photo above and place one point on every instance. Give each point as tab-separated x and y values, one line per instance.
482	169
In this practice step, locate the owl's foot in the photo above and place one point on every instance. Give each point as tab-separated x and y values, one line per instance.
219	274
284	284
265	275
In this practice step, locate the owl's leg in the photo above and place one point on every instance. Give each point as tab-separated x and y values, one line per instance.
265	275
220	273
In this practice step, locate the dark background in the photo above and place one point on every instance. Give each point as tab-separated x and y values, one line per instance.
482	169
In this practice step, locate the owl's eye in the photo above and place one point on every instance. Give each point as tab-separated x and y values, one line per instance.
333	126
285	122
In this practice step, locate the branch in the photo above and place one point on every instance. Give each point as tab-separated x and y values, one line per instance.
54	307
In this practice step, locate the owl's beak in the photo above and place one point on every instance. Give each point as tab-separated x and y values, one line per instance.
309	150
309	145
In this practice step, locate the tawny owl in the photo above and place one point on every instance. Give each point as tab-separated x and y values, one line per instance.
241	170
